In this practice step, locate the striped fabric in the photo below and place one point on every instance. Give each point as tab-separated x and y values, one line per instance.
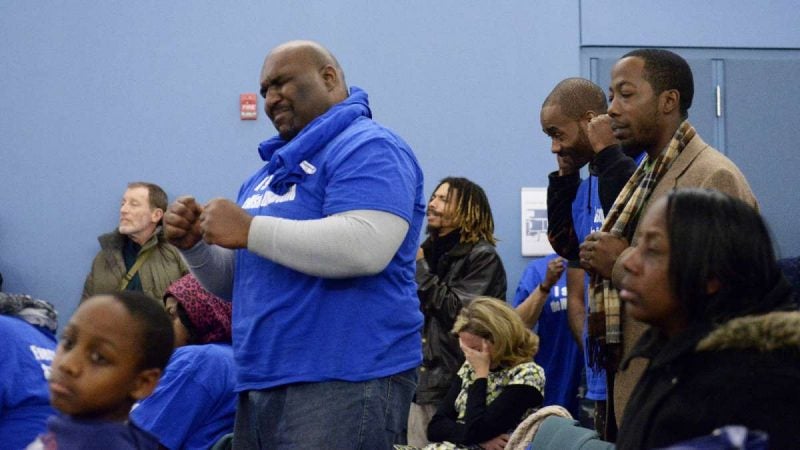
605	325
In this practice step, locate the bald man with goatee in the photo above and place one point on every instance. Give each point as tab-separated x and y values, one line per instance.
318	256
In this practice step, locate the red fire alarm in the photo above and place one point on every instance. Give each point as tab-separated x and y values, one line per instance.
248	107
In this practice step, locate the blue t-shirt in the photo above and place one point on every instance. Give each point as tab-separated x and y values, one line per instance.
24	395
64	432
588	217
290	327
194	404
558	354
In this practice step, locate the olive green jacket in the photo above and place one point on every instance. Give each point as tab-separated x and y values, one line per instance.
160	269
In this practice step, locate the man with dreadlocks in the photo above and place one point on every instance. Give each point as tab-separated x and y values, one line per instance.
650	95
457	263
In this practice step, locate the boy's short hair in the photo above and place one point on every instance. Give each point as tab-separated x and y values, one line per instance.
157	335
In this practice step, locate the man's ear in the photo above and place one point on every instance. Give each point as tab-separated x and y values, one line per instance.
587	117
145	383
330	76
156	215
670	101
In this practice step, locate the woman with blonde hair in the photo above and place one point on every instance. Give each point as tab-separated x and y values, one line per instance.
497	386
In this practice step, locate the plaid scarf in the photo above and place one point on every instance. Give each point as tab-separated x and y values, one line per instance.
605	324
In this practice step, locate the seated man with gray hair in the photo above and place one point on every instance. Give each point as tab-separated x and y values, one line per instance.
136	256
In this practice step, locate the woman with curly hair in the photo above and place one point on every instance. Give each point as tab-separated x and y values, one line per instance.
497	386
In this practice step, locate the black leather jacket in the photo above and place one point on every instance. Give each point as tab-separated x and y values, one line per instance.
470	270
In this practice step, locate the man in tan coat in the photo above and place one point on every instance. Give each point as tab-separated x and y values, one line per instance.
136	256
650	95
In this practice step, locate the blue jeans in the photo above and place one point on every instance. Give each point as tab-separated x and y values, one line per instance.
329	415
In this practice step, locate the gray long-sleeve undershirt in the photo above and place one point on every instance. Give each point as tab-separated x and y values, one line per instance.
349	244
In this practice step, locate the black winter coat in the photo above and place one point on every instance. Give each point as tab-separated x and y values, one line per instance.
745	372
469	271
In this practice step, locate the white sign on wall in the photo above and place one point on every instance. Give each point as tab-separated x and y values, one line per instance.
533	209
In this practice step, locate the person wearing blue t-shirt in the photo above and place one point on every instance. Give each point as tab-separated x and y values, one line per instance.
318	256
194	404
541	301
110	355
27	328
573	116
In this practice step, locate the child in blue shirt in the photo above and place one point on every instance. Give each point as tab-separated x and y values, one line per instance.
111	354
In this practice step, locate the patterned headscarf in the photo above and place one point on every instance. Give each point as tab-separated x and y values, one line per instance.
209	315
34	311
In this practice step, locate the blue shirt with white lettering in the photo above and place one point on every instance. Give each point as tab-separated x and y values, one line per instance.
558	354
290	327
28	353
588	217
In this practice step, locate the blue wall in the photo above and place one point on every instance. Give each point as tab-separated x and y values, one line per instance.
99	95
96	94
691	23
